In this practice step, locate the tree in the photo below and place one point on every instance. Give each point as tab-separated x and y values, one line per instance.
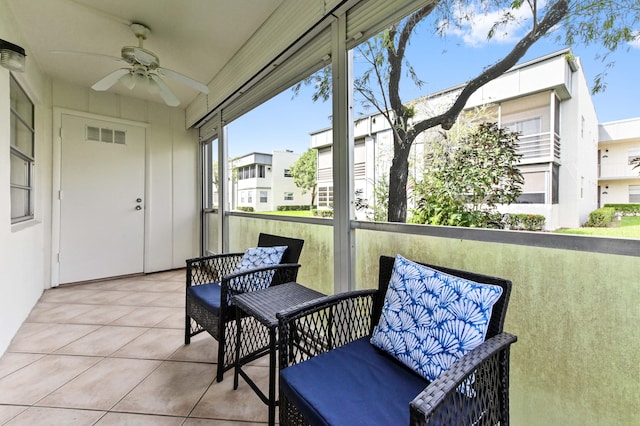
610	23
304	173
467	179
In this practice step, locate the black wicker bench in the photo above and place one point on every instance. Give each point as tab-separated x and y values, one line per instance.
332	375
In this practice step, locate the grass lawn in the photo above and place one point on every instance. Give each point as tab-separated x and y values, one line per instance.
628	227
299	213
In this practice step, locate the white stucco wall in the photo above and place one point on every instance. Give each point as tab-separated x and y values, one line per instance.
24	247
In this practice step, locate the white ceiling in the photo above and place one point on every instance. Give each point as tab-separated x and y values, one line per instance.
192	37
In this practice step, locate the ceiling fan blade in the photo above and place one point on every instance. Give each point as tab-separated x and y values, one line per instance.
183	79
166	93
95	55
110	79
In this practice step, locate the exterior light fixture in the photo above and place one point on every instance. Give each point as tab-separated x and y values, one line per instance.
11	56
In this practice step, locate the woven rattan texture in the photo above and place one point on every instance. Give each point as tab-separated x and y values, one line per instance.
222	326
474	391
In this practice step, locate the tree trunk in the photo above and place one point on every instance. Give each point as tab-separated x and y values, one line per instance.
398	176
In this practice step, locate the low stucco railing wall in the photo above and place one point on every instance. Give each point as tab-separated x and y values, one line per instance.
575	306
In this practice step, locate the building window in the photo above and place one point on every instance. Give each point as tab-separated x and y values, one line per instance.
533	189
325	196
261	171
632	154
242	198
250	197
634	194
288	196
287	173
22	154
263	196
531	143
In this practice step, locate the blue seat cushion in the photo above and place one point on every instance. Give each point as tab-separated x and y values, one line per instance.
208	295
355	384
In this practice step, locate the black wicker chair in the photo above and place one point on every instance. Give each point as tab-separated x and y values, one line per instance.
221	323
473	391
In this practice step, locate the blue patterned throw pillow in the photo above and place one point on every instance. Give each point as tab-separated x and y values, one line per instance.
430	319
258	257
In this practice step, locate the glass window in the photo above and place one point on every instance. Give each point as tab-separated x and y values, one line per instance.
533	189
250	197
634	193
287	173
261	171
632	154
288	196
263	196
325	196
22	154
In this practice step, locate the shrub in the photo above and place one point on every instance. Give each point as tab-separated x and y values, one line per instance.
247	209
626	209
601	218
526	222
295	208
323	212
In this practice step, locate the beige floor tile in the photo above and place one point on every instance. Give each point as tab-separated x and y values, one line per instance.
42	416
203	348
101	386
217	422
47	338
33	382
173	275
139	298
12	362
102	314
172	300
172	389
61	313
175	320
156	343
7	412
103	341
145	316
222	402
39	309
128	419
84	293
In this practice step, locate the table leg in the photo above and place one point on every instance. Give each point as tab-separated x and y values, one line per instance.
272	376
236	367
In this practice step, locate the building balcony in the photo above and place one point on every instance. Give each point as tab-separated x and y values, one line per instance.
617	171
539	148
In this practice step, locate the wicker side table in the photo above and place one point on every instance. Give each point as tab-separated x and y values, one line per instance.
263	305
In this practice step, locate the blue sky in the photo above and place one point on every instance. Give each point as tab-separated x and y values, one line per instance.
285	122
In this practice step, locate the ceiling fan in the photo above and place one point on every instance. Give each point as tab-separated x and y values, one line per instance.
144	70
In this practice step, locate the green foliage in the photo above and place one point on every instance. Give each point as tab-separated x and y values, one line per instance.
294	208
526	222
247	209
304	172
467	179
601	217
625	209
323	212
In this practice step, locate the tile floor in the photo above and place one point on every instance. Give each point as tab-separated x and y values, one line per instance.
113	353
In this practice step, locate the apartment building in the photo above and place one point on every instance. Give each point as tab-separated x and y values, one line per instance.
264	182
546	99
618	181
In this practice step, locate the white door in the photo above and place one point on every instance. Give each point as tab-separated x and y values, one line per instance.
101	199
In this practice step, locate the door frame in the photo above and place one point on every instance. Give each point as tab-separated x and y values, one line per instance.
56	182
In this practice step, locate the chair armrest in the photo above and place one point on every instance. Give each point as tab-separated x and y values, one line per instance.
474	390
317	326
250	280
208	269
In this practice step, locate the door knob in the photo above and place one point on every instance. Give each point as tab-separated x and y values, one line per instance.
138	200
138	208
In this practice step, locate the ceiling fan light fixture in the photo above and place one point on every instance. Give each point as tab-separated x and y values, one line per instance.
128	80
